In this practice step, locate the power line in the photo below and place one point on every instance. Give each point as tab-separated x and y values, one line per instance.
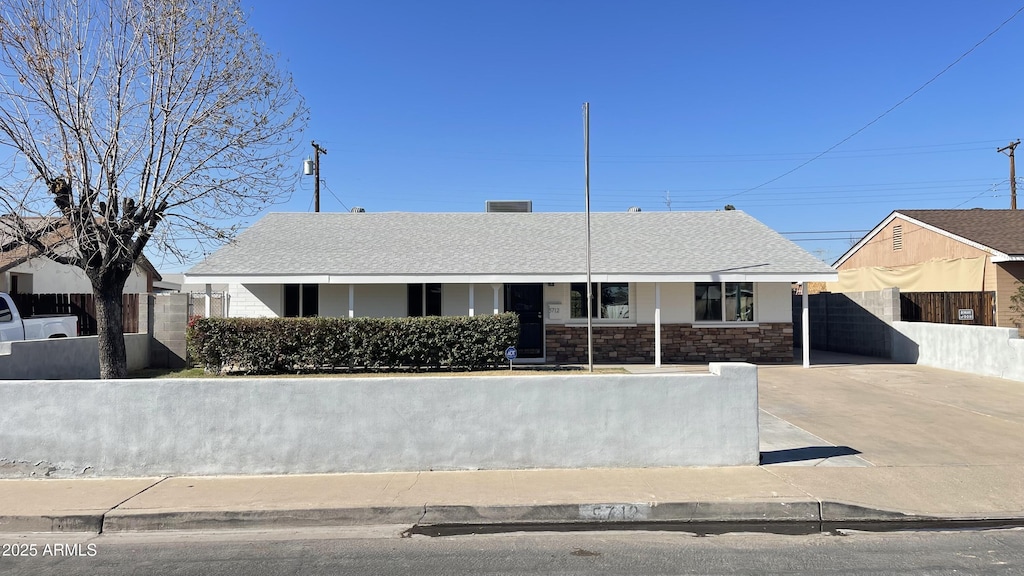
328	188
883	114
827	232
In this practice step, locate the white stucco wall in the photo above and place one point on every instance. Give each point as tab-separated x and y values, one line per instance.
49	277
455	299
293	426
79	358
370	300
676	303
773	302
982	350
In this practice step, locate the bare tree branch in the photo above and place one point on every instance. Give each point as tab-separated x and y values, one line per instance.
139	122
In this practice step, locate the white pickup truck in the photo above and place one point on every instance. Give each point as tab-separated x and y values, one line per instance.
14	327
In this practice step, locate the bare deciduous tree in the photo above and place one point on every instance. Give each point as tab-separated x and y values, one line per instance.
135	123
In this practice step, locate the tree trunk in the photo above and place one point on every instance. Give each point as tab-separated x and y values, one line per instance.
110	328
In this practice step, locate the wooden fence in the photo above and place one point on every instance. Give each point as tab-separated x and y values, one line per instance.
81	305
948	307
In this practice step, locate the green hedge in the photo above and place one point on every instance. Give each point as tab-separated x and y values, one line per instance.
292	345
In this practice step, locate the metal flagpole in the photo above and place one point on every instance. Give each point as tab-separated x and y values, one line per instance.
590	295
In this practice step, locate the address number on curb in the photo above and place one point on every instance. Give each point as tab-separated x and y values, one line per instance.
615	512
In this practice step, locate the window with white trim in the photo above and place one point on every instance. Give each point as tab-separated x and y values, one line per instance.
610	300
723	302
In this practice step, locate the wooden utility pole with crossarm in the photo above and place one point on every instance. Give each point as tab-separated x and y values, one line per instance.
1008	149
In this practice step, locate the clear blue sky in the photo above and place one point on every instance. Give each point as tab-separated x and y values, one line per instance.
442	105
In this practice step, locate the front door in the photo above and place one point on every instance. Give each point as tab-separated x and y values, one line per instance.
527	300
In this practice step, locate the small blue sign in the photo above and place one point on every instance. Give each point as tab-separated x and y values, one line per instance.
511	353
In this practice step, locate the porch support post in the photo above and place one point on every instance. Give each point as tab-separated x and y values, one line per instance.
209	299
496	287
351	300
805	325
657	323
472	311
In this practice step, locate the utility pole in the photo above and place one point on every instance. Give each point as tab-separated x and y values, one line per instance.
317	151
1008	149
590	293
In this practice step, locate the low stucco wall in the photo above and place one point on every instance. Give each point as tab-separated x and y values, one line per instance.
64	358
281	426
982	350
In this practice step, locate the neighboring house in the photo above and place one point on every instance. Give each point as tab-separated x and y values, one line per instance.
24	271
208	300
672	286
940	251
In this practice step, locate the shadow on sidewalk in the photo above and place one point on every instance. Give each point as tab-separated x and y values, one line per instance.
808	453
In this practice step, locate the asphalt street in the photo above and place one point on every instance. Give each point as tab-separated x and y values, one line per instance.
381	550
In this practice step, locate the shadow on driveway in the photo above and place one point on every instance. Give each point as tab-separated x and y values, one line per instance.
808	453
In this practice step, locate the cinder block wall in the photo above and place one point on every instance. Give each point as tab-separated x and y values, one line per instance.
169	320
852	322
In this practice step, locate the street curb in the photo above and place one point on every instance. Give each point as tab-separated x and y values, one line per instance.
130	521
52	523
735	514
598	513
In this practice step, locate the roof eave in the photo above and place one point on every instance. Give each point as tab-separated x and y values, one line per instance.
897	214
508	278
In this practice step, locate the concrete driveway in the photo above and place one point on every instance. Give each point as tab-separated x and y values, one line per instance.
878	413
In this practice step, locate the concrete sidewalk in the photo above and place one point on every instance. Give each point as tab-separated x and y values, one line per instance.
844	441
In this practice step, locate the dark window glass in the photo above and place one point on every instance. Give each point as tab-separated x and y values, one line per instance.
708	301
578	300
739	301
610	300
310	300
5	311
415	296
433	299
291	300
614	300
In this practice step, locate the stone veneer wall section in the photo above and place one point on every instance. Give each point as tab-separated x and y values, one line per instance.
764	342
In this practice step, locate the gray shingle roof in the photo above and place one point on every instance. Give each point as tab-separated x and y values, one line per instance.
404	243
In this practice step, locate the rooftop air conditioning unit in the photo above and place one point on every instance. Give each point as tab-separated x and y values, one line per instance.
510	205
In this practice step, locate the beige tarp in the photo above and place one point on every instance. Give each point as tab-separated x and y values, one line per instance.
956	275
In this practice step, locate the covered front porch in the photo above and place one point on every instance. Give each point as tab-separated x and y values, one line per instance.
631	321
